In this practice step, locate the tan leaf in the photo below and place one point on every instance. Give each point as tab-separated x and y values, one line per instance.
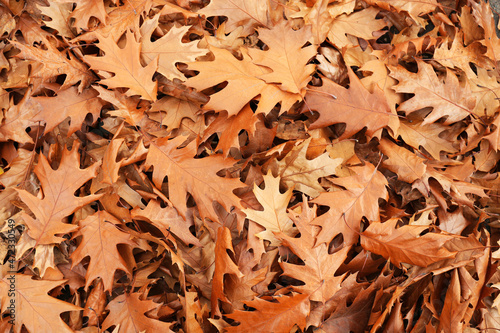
405	244
125	64
347	207
286	56
169	49
302	174
274	217
35	309
101	235
58	200
355	106
408	166
448	98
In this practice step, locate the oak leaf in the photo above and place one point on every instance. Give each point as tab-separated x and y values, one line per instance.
355	106
167	220
59	201
408	166
169	49
176	110
248	14
119	20
274	217
51	63
405	244
128	311
272	317
361	24
347	207
85	10
302	174
418	134
454	308
286	56
35	309
415	8
125	107
318	271
195	176
237	74
223	265
18	118
447	97
230	128
59	14
101	235
459	56
352	318
68	103
126	66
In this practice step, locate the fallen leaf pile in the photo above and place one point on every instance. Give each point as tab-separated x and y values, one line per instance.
249	166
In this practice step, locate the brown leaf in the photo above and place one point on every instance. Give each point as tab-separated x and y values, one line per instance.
356	106
278	316
347	207
169	49
239	12
51	63
409	167
223	265
167	220
58	188
274	217
318	273
68	103
128	312
100	239
35	310
406	244
237	73
125	64
447	97
195	176
286	56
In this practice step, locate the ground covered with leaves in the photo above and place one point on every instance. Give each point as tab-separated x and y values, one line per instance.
249	166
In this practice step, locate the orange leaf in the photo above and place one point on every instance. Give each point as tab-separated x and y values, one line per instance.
36	310
355	106
59	200
347	207
280	316
100	239
196	176
405	244
129	311
126	66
